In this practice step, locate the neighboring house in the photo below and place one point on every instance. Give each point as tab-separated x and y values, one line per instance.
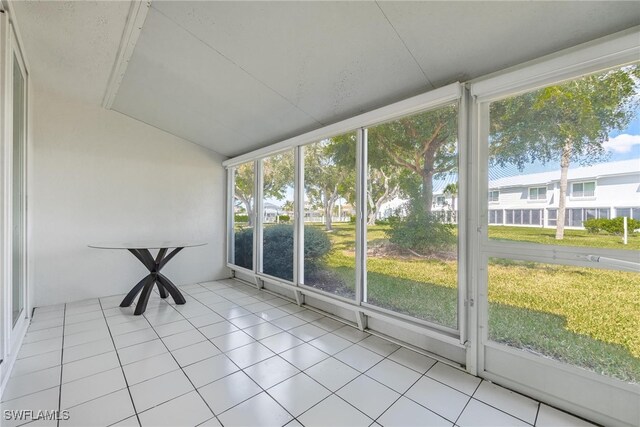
605	190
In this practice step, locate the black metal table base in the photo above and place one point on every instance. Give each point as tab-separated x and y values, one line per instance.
145	286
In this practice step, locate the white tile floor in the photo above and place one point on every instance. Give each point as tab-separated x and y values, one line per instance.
235	356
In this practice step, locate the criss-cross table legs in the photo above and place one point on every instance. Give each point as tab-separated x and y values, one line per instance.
153	278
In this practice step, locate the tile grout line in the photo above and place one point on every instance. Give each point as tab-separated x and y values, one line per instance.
120	363
306	321
64	320
243	369
180	366
232	361
422	375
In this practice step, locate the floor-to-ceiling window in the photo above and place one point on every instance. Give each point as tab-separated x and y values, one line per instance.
18	192
243	216
278	215
330	215
561	297
412	203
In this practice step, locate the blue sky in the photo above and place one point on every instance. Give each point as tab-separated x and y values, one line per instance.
622	145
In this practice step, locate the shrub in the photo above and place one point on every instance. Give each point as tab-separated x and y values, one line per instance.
610	226
284	218
421	231
316	247
243	248
240	218
278	249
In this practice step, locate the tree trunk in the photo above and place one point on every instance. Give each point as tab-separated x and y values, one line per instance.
328	207
427	188
249	209
562	198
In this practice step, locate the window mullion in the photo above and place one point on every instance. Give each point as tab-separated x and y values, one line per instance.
361	215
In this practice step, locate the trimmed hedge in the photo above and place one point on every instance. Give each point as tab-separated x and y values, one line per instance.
278	250
241	218
610	226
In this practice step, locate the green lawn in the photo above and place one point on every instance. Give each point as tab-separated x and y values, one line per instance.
571	237
583	316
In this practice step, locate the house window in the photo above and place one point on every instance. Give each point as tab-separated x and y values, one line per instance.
495	216
538	193
574	217
524	216
494	196
629	213
583	189
440	201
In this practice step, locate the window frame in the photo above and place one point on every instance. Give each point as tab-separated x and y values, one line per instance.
582	196
537	198
491	197
453	93
611	52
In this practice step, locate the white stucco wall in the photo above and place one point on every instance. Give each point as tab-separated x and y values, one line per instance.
97	175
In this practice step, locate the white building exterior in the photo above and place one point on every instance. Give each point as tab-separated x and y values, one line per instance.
605	190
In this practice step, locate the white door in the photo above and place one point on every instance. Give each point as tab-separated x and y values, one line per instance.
14	302
559	315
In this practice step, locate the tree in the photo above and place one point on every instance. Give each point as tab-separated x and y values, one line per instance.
243	188
328	176
567	122
382	185
422	146
277	176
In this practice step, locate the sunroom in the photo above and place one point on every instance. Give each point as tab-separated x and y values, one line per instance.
356	207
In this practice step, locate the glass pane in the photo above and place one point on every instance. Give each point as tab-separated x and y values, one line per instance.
412	254
586	317
278	215
535	217
509	216
329	215
576	218
578	190
18	192
603	213
517	216
622	212
571	146
542	193
636	214
243	215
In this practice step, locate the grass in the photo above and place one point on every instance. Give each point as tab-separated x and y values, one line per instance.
571	237
582	316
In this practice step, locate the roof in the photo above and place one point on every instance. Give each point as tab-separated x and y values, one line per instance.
579	173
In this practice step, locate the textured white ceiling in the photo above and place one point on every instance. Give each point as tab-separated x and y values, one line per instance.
71	46
235	76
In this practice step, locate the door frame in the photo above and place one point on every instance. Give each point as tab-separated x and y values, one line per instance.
11	335
587	394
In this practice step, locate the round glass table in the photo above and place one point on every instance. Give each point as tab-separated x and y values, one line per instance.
141	250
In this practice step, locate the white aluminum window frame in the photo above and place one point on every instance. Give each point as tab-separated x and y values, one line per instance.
11	335
428	101
582	196
537	198
606	53
494	196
